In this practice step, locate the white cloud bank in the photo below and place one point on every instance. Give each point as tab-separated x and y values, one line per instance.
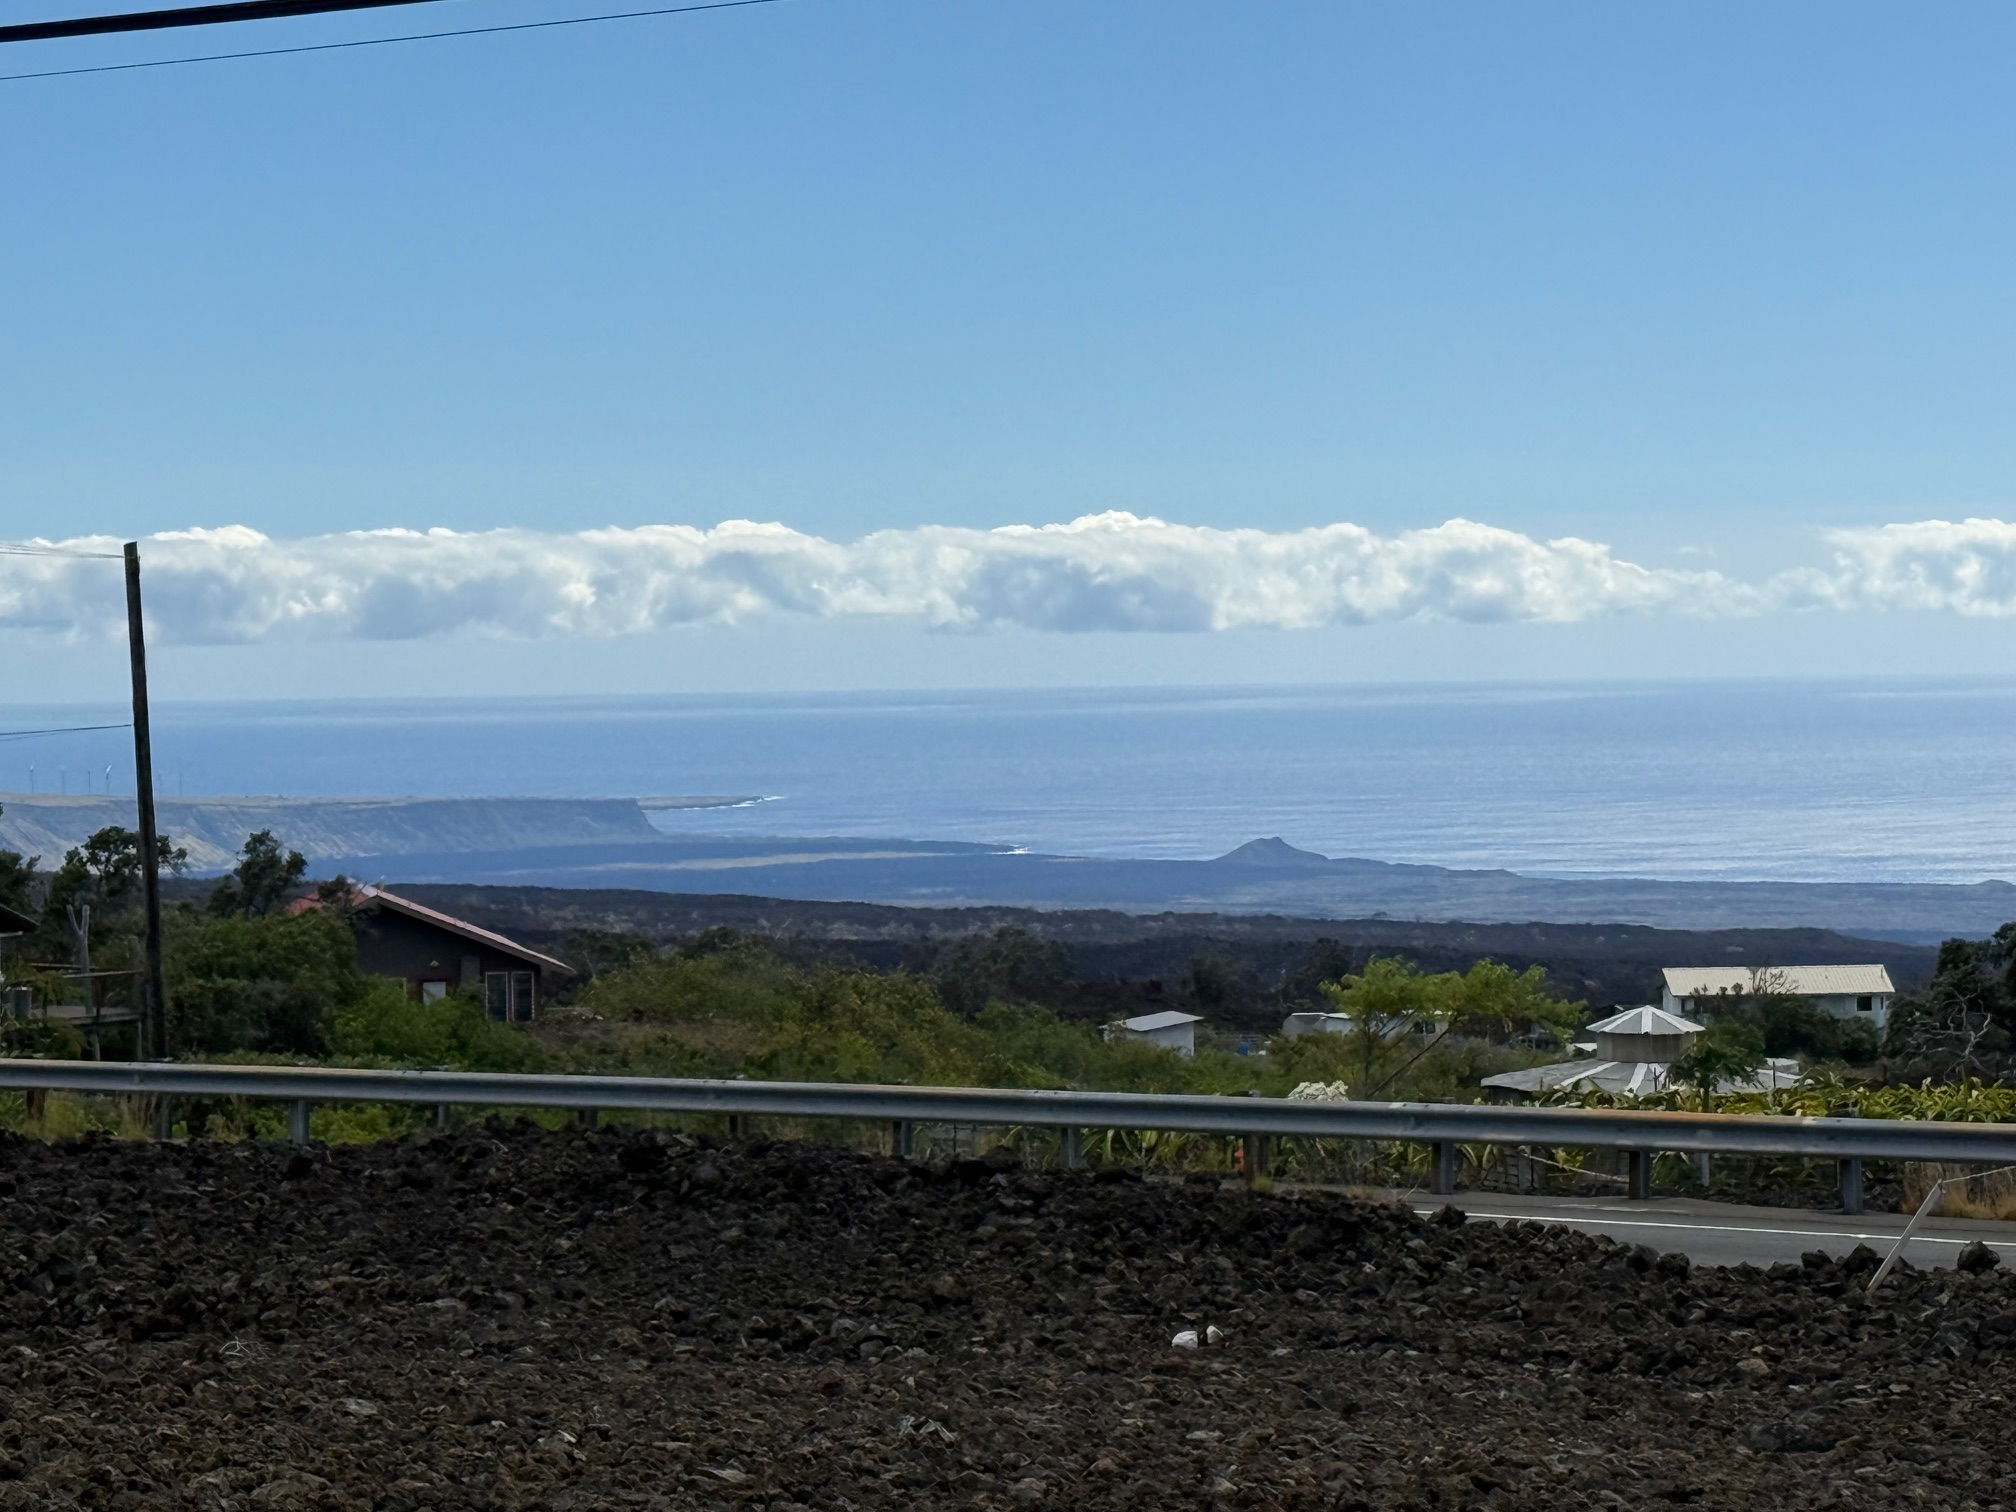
1104	572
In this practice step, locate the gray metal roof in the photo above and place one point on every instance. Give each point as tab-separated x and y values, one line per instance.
1630	1078
1167	1019
1646	1020
1807	981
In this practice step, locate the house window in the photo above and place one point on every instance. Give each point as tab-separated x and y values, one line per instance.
1865	1004
433	992
509	996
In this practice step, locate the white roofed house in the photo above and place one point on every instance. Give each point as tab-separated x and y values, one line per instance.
1311	1022
1635	1051
1170	1029
1850	992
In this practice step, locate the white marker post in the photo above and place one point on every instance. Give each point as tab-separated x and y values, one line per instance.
1925	1210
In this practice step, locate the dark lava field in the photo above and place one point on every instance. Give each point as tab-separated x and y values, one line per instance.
501	1317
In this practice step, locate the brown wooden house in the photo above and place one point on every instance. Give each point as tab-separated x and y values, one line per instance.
435	953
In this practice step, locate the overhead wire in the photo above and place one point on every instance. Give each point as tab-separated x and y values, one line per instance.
11	548
467	31
183	15
62	730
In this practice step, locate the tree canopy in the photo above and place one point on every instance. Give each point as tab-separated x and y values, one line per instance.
1963	1022
17	879
1391	1003
262	879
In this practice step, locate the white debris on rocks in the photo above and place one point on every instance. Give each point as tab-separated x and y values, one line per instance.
1322	1092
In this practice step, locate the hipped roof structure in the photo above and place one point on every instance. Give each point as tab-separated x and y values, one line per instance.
1646	1020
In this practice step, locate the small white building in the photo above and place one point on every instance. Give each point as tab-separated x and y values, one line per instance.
1169	1029
1298	1024
1312	1022
1850	992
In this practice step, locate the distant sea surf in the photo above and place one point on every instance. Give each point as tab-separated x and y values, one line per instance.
1836	781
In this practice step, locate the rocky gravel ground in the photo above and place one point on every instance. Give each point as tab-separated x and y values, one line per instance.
504	1317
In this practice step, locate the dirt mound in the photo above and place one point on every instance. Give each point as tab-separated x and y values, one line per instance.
504	1317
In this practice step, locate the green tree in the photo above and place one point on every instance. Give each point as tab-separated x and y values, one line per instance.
1326	959
261	881
1012	964
1789	1023
1386	1003
93	897
385	1026
1398	1013
1963	1022
17	879
1214	981
269	984
1493	995
1724	1055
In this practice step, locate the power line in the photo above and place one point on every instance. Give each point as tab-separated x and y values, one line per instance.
12	549
471	31
62	730
191	15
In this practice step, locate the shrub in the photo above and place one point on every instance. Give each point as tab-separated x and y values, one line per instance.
385	1026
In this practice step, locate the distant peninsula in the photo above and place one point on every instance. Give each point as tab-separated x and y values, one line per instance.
611	842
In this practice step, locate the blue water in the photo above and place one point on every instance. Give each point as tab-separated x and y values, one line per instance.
1838	781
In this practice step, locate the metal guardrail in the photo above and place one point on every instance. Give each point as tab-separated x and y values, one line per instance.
1441	1125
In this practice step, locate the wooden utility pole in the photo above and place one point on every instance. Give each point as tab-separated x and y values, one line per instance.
154	1001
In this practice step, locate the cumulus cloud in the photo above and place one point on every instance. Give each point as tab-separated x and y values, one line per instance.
1111	571
1960	567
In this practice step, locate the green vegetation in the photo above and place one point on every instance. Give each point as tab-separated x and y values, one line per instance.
724	1007
1407	1026
1728	1052
249	978
1818	1095
17	880
1962	1023
261	881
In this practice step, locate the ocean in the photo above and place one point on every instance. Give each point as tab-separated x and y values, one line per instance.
1838	781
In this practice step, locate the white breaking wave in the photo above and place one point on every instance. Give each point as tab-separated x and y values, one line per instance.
1113	571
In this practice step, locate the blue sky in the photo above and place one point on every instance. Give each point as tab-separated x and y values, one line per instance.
1697	282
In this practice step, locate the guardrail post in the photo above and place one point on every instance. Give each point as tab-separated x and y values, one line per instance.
1851	1185
587	1118
440	1115
1702	1168
1442	1181
1638	1175
1522	1168
298	1114
164	1118
738	1125
1071	1149
902	1138
1256	1152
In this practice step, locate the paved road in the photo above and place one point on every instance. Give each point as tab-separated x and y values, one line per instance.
1720	1233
